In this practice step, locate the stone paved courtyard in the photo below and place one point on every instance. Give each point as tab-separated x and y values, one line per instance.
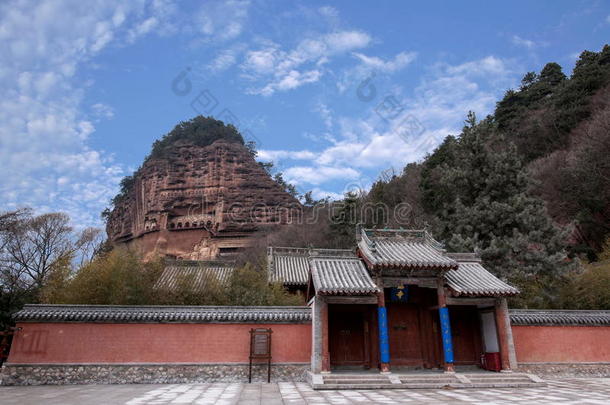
564	391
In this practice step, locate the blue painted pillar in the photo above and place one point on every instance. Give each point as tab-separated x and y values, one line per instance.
446	335
384	338
443	312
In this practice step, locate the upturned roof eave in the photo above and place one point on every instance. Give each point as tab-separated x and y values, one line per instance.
482	294
411	266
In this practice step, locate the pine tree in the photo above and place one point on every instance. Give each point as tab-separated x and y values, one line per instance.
344	218
492	212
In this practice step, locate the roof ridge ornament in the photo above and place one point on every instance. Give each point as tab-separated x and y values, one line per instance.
430	239
364	236
465	257
405	249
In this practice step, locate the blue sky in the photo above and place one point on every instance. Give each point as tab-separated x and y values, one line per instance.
334	92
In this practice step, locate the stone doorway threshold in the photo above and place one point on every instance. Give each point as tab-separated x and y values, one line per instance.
345	379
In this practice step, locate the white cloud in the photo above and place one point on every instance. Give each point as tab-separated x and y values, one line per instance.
286	70
328	11
399	62
489	65
380	149
45	158
443	98
291	80
262	61
101	110
527	43
222	20
224	60
342	152
608	19
275	155
316	175
372	67
326	114
142	29
318	194
343	41
437	108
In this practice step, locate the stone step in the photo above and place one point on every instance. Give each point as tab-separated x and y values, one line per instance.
506	385
354	381
494	374
524	381
422	385
429	377
355	376
500	379
424	381
376	386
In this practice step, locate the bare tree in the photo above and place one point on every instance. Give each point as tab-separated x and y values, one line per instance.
88	244
34	246
13	288
9	221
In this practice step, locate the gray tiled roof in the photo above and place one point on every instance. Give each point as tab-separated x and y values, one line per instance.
156	314
220	314
197	275
341	276
403	249
550	317
471	279
290	266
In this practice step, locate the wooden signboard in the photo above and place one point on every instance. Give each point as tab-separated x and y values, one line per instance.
260	348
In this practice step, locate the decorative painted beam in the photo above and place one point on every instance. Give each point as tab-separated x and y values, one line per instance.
426	282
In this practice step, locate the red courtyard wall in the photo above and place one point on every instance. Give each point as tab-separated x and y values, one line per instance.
229	343
153	343
562	344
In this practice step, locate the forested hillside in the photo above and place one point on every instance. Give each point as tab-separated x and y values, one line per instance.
528	186
561	127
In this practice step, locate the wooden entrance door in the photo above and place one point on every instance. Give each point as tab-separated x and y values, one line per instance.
465	333
346	336
404	330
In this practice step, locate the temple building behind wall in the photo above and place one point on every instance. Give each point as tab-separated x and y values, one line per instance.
395	304
398	300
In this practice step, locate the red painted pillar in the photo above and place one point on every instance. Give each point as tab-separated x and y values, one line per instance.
447	344
325	352
503	340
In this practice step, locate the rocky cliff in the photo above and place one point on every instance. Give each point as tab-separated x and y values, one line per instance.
198	202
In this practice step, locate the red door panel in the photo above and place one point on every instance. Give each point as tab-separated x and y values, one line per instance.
346	338
404	331
465	335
